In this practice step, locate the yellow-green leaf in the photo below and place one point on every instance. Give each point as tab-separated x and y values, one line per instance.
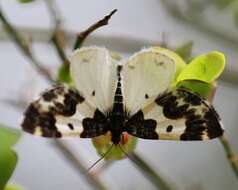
206	68
13	187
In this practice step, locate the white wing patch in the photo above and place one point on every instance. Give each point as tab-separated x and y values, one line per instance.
94	73
146	74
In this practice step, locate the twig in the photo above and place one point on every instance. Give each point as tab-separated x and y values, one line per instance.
83	35
232	158
54	12
57	38
23	46
149	172
75	163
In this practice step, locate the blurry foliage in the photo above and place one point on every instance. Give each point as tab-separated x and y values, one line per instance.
13	187
63	74
222	4
8	157
25	1
197	6
185	51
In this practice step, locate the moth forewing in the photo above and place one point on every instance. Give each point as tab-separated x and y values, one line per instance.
94	73
146	74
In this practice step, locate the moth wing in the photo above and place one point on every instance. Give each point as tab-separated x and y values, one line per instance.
177	115
58	112
94	72
146	74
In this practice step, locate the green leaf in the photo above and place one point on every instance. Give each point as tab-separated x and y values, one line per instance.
25	1
64	74
185	51
206	68
8	160
199	87
8	136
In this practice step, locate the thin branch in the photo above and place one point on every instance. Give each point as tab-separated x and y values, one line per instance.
58	36
56	40
76	164
20	42
149	172
54	12
232	158
83	35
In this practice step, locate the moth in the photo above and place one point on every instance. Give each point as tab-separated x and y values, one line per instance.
133	96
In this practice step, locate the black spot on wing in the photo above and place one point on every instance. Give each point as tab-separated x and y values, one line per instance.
171	109
140	127
169	128
42	113
70	126
200	118
49	96
146	96
46	122
96	126
93	93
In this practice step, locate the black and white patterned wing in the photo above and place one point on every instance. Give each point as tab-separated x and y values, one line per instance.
176	115
61	112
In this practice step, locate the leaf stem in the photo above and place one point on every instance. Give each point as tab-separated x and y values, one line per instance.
231	156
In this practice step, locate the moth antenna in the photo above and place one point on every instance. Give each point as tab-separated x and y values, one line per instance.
105	154
125	152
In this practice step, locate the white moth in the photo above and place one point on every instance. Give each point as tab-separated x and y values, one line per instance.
132	96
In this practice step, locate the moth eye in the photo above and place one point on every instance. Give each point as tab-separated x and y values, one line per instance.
146	96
